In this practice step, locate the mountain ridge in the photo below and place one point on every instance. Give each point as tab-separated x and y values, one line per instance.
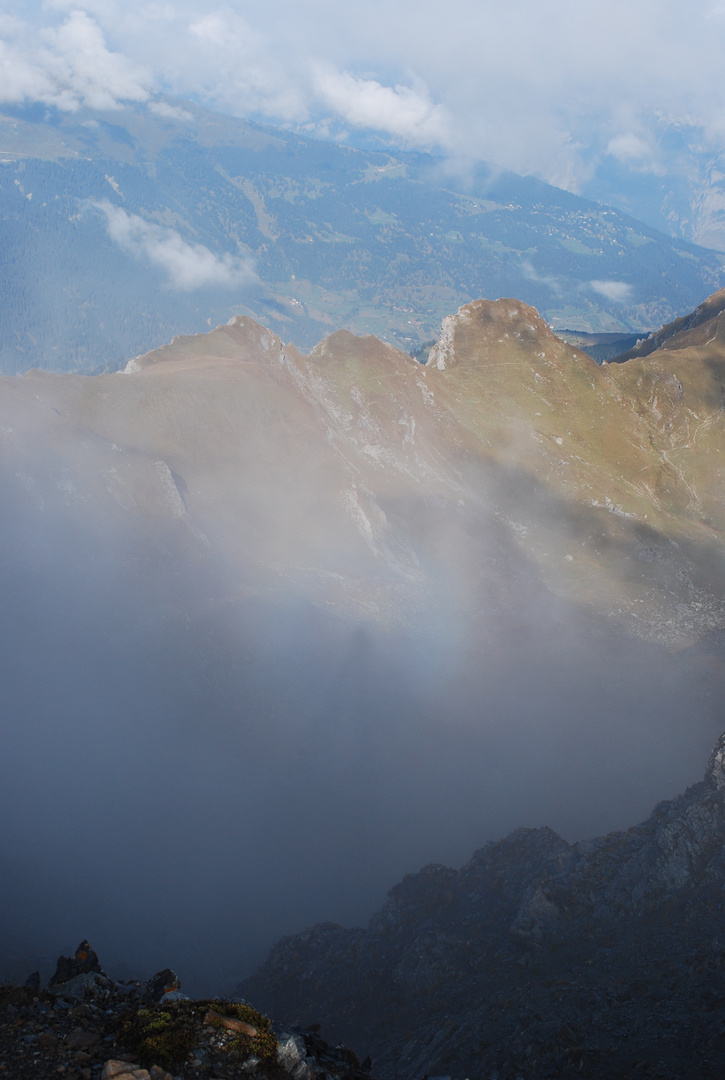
502	404
537	958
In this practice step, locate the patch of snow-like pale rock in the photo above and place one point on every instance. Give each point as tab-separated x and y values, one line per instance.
291	1055
168	484
716	765
537	916
443	352
353	506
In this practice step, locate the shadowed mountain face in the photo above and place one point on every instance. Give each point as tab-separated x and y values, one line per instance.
280	627
536	958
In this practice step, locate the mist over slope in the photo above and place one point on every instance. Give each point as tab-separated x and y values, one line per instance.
279	627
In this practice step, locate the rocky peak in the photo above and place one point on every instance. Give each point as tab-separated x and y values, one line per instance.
345	347
83	962
484	323
241	339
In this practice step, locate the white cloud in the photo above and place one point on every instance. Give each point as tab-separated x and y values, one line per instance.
170	112
637	153
213	29
531	274
231	65
85	68
67	66
20	79
188	266
628	147
553	89
365	103
618	291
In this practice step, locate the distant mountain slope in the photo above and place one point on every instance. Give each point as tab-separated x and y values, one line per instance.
337	237
680	334
679	189
537	958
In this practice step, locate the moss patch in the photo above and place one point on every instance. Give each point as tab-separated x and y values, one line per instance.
166	1034
159	1036
263	1045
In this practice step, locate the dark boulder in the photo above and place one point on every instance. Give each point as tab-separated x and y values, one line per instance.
163	982
83	962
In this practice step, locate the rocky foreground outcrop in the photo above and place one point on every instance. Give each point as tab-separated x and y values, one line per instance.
537	959
87	1026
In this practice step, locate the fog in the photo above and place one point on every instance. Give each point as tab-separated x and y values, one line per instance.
188	772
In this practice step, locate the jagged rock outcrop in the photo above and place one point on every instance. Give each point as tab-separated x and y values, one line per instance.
538	958
87	1026
83	962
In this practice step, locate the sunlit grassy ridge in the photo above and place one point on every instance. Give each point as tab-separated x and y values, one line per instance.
631	452
355	470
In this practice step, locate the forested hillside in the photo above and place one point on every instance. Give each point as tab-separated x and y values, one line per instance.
120	230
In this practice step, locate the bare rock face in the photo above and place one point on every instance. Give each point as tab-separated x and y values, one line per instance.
84	962
536	958
716	766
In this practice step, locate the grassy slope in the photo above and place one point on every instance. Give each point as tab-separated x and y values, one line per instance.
355	469
627	454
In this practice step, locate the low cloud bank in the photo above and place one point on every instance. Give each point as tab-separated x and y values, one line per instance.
397	110
187	266
617	291
558	91
67	66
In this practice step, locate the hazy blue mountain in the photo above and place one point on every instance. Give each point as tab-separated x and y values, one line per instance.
213	216
675	182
